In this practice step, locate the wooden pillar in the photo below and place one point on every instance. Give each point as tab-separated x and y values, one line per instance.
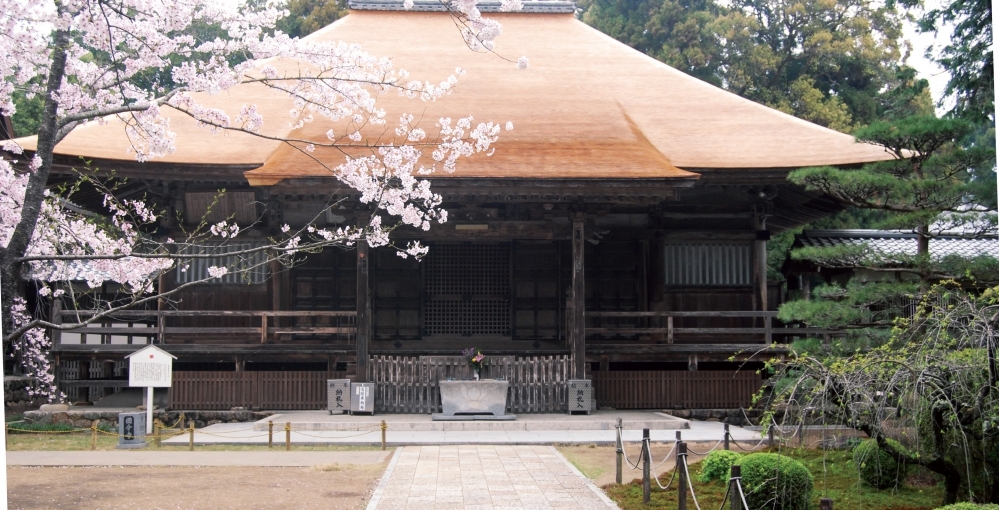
760	262
578	331
83	397
363	311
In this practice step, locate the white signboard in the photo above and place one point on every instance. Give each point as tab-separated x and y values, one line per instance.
150	367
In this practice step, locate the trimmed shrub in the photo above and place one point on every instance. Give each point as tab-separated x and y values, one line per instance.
876	467
775	482
716	465
970	506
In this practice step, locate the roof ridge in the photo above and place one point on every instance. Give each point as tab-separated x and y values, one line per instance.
488	6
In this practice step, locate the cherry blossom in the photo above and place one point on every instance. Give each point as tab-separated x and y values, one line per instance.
135	63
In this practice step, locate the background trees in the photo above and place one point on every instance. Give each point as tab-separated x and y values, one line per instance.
831	63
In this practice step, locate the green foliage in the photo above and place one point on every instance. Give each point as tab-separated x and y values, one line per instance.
835	62
857	304
307	16
835	478
969	506
929	391
679	33
775	481
717	464
29	114
876	467
968	58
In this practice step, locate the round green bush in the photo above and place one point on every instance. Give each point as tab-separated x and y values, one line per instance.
970	506
876	467
716	465
775	482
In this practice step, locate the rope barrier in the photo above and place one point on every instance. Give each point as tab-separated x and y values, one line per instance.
670	482
170	432
634	465
742	495
690	482
335	437
713	448
671	450
736	443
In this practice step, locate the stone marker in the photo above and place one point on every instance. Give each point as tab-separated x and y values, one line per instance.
338	396
131	430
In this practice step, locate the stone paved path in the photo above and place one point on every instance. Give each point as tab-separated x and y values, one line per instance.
484	477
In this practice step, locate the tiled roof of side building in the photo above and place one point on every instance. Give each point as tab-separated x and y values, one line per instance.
889	243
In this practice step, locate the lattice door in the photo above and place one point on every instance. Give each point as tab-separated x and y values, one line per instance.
467	290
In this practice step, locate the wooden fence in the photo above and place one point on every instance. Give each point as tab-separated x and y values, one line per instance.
702	389
252	390
408	384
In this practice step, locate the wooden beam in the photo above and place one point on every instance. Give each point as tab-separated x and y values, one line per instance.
363	310
577	327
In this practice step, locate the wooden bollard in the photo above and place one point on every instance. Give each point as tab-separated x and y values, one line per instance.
287	435
801	435
770	435
678	436
190	441
384	428
156	432
726	436
681	472
825	504
93	435
270	434
646	467
620	453
733	488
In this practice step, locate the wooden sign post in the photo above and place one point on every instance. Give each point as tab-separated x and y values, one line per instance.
150	367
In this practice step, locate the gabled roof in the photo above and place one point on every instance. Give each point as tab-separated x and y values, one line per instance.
587	107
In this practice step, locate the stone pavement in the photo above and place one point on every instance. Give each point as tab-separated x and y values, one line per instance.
484	477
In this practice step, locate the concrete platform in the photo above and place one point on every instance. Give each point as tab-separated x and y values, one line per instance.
420	430
599	420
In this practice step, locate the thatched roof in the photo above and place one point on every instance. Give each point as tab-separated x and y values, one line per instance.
587	107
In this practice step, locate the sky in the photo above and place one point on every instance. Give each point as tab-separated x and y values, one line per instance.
926	68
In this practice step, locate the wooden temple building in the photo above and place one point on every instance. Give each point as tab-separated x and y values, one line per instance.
618	233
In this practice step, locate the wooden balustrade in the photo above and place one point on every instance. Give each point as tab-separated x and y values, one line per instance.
152	326
664	324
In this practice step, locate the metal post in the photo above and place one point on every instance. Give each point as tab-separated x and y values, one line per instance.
620	453
733	489
646	456
384	427
93	435
681	471
825	504
190	441
726	436
287	435
270	434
